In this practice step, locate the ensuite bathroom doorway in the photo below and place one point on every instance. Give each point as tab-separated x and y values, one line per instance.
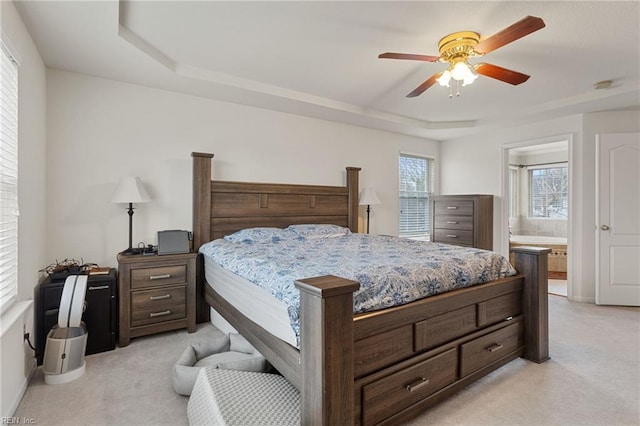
538	203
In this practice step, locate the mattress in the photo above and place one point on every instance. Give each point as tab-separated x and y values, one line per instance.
391	271
252	301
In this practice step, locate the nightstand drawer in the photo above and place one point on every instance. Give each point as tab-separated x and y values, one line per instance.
151	299
159	314
452	236
460	207
158	276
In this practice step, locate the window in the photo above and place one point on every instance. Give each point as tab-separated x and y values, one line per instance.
416	185
8	180
549	191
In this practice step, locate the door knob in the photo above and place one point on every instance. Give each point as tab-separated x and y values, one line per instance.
604	227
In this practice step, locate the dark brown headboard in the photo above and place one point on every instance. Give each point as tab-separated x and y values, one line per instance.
221	208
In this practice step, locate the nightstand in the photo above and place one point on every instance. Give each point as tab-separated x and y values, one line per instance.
156	294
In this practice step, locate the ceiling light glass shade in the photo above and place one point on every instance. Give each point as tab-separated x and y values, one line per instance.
461	71
130	190
368	197
470	78
443	80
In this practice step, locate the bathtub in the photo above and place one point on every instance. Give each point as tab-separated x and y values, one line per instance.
537	240
558	256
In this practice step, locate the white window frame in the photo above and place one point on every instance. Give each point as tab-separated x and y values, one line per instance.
421	227
514	191
532	194
8	175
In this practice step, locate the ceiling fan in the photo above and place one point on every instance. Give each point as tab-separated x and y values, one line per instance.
456	48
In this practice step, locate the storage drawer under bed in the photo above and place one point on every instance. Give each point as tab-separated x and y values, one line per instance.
400	390
486	349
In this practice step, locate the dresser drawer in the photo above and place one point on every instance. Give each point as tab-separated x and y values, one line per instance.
454	222
151	299
404	388
158	314
158	276
489	348
451	236
455	207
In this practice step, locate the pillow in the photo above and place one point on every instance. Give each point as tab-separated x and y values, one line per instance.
258	235
319	231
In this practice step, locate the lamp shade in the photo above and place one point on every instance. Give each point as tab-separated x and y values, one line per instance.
368	197
130	190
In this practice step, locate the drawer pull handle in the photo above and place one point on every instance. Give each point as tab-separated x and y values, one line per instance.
164	296
159	277
418	384
159	314
451	236
452	222
494	347
452	207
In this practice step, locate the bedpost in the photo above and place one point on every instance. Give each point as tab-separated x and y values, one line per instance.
532	262
201	223
353	188
201	198
326	350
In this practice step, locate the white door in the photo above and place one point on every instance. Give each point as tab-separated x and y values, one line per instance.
618	216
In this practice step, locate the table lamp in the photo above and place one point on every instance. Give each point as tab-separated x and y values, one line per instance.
368	198
130	190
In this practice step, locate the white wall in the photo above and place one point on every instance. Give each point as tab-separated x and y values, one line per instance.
475	165
100	129
16	362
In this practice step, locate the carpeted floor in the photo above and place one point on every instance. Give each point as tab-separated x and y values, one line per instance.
593	378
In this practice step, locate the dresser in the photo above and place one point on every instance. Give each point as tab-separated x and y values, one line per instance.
156	294
465	220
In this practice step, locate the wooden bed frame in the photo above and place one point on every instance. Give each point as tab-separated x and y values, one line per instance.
379	367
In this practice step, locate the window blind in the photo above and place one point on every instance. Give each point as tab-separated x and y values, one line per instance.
549	192
416	178
8	180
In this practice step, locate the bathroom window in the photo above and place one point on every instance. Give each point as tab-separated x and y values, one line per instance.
549	191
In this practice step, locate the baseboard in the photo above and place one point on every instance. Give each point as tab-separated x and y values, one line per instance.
23	388
583	299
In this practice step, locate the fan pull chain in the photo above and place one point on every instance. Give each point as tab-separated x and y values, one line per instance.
457	88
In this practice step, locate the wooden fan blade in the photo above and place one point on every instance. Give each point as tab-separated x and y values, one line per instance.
409	56
502	74
512	33
424	86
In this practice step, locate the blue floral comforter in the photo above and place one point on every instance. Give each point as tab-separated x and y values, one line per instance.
391	271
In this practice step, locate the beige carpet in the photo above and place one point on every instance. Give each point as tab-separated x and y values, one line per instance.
558	287
593	378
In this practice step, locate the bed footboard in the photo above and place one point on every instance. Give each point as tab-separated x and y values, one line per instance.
327	350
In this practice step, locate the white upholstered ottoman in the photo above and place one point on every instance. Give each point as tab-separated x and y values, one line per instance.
243	398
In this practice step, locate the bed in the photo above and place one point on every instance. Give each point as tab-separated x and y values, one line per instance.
379	367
